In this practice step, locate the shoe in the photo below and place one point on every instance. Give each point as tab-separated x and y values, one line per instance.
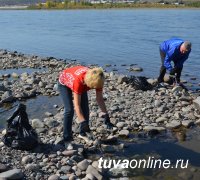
161	85
87	137
109	125
68	145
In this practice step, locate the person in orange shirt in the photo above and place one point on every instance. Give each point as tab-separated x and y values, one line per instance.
73	84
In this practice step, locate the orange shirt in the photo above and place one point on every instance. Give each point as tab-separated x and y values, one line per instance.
74	79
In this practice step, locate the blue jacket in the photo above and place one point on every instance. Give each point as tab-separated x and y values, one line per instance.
171	48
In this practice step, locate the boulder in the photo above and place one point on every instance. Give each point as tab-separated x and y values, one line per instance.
12	174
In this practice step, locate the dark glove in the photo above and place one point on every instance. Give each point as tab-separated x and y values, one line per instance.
172	72
107	122
84	127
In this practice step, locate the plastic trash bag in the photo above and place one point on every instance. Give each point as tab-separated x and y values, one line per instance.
140	83
19	133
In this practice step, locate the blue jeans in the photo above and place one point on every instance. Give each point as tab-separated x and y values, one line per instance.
66	95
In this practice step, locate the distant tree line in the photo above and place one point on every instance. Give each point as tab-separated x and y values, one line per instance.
20	2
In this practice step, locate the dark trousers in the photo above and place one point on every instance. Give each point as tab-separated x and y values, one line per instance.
66	95
163	70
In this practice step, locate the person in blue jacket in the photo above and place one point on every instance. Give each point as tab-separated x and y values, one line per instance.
175	50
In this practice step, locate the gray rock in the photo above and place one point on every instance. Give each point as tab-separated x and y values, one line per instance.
152	81
120	124
108	148
94	172
15	75
197	103
124	133
177	89
3	88
150	128
51	123
157	103
32	167
26	159
65	169
3	168
37	123
173	124
161	119
90	176
69	152
139	69
83	165
122	79
197	122
48	114
7	97
64	177
53	177
12	174
119	171
187	123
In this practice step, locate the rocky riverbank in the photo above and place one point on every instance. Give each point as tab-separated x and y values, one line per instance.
131	110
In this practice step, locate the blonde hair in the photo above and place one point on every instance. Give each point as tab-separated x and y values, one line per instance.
94	78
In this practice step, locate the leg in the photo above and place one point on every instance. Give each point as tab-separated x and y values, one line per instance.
162	69
85	106
66	95
84	126
178	74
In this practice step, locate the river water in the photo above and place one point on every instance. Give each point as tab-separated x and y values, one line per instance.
115	37
127	36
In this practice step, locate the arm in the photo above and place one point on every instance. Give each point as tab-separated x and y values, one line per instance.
181	62
77	106
167	62
100	101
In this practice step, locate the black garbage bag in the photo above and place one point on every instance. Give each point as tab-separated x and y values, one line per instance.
140	83
19	133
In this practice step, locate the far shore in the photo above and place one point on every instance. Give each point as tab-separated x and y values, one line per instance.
99	6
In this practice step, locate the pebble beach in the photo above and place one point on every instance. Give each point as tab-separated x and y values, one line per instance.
151	112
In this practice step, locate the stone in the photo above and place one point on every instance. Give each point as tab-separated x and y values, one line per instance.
14	75
64	177
48	114
197	103
90	176
122	79
120	124
12	174
157	103
161	119
26	159
137	69
3	168
177	89
94	172
152	81
3	88
197	122
69	152
65	169
7	97
173	124
187	123
83	165
108	148
32	167
37	123
150	128
53	177
124	133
